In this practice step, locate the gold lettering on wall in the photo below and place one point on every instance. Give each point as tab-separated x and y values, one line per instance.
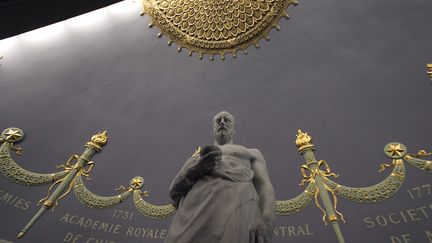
146	232
402	216
108	227
90	223
420	191
72	238
404	238
292	231
122	214
98	240
79	238
12	200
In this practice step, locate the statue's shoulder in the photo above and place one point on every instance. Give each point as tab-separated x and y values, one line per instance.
238	150
232	146
254	150
256	153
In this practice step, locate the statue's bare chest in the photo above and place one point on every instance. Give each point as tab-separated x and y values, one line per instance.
236	152
236	161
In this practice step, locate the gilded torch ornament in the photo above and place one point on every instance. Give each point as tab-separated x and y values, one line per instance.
316	176
82	166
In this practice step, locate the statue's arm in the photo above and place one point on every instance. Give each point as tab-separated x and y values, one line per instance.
266	196
181	184
195	167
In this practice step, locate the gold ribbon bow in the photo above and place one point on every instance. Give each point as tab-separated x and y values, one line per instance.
323	170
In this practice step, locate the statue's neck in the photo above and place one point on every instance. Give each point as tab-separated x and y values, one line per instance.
220	143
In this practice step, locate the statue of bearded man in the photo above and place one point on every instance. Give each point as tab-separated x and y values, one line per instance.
223	194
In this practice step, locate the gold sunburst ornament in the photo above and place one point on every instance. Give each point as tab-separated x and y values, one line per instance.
216	27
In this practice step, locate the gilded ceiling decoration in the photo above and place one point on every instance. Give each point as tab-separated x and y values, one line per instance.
216	27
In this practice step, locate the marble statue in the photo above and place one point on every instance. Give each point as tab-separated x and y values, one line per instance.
223	193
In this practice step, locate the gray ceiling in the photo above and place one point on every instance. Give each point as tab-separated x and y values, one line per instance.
19	16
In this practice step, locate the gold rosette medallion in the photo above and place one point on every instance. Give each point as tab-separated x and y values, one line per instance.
216	27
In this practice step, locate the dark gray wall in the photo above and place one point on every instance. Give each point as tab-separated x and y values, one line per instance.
351	73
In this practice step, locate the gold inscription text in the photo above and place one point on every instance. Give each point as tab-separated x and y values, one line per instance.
146	232
292	231
89	223
405	238
72	238
402	216
420	191
14	201
121	214
77	238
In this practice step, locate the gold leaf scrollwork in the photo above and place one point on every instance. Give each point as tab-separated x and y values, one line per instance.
145	208
384	166
296	204
421	154
18	150
11	170
121	188
417	160
387	187
151	210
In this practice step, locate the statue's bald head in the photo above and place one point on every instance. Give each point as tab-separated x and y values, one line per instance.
223	127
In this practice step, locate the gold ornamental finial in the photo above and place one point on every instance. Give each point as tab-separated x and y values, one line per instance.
303	140
98	140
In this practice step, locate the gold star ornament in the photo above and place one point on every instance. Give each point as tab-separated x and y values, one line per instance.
395	150
13	134
137	182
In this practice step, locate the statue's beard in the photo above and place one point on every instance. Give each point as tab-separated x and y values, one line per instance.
223	135
222	131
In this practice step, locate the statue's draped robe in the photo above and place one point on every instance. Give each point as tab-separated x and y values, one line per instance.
217	208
